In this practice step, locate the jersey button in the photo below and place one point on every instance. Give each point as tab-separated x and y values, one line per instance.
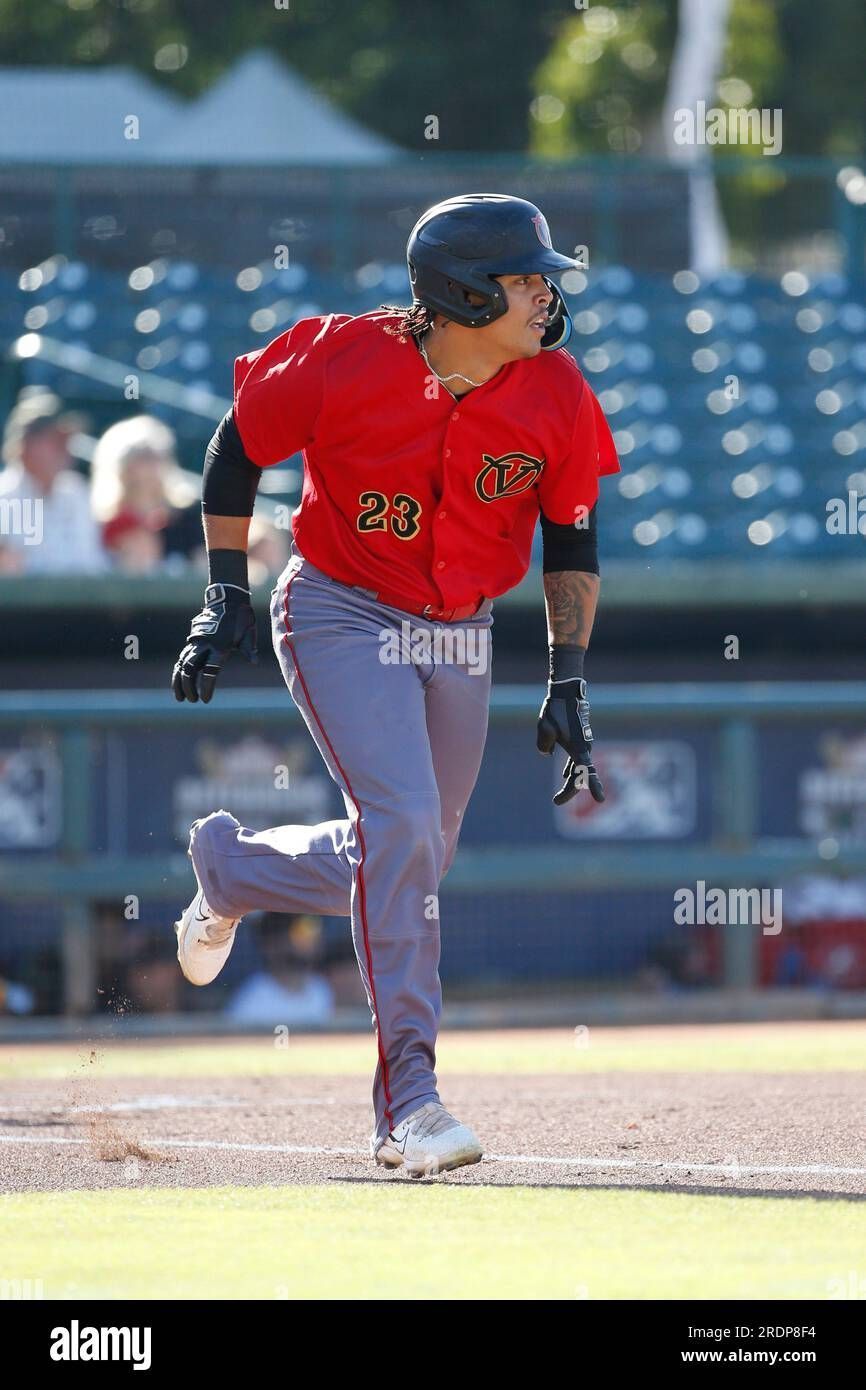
455	415
442	516
448	453
440	564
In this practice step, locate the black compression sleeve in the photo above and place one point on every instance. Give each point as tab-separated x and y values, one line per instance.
566	547
228	567
230	480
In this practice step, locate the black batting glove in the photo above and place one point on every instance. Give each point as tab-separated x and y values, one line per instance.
564	720
226	624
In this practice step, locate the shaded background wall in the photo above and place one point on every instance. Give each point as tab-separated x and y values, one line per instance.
178	185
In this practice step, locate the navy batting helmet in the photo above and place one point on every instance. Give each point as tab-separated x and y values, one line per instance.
458	246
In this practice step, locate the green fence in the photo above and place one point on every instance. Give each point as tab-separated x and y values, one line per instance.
76	878
337	218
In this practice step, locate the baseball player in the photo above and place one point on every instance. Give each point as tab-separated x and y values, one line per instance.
433	439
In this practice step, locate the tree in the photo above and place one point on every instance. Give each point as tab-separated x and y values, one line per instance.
468	62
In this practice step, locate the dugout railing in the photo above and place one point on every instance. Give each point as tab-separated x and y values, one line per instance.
75	878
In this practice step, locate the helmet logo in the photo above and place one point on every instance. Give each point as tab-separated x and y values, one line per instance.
541	230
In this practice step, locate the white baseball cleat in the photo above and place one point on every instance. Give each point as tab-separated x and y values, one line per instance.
204	941
427	1142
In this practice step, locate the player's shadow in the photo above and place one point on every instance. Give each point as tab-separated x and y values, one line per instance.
679	1189
34	1121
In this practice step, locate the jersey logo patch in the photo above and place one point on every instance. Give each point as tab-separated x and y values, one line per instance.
506	476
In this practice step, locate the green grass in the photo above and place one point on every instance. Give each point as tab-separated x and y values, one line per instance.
397	1239
747	1048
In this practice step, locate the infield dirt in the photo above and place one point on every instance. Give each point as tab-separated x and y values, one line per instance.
785	1132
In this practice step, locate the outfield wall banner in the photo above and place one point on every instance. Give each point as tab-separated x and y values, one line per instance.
147	786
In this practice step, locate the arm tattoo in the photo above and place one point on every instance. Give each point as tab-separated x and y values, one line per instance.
570	597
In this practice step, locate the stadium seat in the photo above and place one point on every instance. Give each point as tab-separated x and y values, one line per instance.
738	402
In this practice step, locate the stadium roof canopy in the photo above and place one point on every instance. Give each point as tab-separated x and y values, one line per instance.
80	115
261	112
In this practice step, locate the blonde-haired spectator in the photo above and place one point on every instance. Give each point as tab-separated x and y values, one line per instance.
147	506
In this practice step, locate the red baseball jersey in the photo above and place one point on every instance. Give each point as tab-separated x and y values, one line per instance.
408	491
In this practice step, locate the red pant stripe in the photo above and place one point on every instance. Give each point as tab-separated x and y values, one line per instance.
362	890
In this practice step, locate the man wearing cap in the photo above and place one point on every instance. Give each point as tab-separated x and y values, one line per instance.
46	525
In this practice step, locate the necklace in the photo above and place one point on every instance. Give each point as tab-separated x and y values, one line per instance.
451	375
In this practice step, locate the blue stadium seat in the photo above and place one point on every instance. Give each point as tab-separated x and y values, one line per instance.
738	402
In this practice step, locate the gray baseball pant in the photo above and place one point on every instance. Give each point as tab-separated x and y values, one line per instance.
403	740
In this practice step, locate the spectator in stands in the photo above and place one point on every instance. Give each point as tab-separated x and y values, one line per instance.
46	526
290	987
268	551
147	983
147	506
16	998
679	960
134	546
